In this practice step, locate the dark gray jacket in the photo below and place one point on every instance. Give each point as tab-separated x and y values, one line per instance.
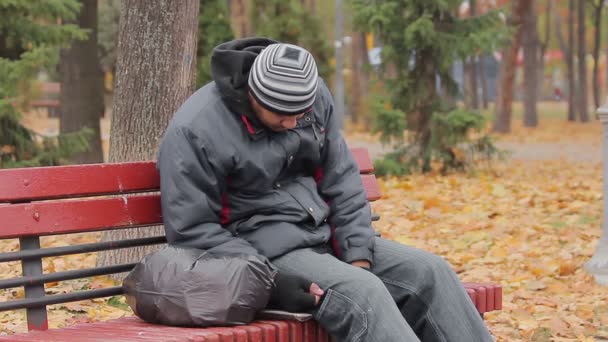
230	186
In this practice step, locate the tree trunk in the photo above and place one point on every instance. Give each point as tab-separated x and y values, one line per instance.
504	99
466	84
530	46
474	101
543	49
308	5
583	113
596	53
425	109
473	67
155	74
240	19
364	83
81	94
571	73
484	81
358	76
568	51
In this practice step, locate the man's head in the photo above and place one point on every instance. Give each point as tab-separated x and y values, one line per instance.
282	85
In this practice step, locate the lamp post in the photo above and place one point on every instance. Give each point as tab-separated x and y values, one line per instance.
598	265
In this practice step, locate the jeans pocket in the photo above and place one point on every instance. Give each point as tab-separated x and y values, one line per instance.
342	317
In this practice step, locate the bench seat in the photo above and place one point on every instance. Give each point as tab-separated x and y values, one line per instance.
134	329
42	201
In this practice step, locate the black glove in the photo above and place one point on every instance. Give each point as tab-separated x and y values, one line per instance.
291	293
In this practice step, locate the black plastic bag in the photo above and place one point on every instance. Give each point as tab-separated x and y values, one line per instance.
190	287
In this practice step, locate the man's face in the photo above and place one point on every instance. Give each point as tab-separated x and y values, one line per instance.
276	122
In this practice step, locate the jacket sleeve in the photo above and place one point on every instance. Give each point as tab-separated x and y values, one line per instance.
341	186
192	183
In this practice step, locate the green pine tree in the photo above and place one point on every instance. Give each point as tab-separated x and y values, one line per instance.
421	40
30	37
288	22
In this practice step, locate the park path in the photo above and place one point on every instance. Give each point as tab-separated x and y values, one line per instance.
568	151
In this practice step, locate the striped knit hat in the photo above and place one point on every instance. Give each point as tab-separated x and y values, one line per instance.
284	78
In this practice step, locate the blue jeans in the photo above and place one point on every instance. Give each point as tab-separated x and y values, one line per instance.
409	295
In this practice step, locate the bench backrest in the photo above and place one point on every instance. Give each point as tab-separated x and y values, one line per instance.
84	198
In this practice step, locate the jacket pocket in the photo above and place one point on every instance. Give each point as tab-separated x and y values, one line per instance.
304	191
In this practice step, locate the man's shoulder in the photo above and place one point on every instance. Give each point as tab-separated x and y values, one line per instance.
204	111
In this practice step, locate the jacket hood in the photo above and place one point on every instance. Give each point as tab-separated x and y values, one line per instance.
230	65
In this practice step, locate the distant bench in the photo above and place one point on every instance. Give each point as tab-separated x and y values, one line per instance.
51	106
43	201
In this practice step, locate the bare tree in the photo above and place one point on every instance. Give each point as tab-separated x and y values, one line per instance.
571	73
309	5
155	74
543	46
504	100
239	18
359	79
583	113
530	44
598	7
567	48
484	82
473	64
81	94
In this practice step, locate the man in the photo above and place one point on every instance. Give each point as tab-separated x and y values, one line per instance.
255	163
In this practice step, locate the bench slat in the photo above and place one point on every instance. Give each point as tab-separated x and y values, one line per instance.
361	156
39	183
134	329
75	216
25	184
372	189
49	217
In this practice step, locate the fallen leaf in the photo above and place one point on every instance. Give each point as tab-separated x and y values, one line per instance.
536	285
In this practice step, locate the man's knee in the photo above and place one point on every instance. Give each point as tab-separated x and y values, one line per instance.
434	262
362	288
429	272
419	268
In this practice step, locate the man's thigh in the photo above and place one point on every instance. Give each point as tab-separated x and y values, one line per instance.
356	303
320	266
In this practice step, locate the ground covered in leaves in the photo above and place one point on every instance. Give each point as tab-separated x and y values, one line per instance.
528	225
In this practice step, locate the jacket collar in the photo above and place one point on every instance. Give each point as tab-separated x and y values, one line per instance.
257	130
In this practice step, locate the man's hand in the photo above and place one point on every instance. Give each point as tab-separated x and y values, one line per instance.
294	294
362	263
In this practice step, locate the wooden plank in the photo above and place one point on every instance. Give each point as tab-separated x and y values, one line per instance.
361	156
35	183
481	296
134	329
75	216
372	189
282	330
53	182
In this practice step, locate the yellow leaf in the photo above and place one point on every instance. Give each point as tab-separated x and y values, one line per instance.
403	239
567	269
559	326
536	285
432	202
498	190
541	334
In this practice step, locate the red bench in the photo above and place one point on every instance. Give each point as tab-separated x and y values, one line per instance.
49	99
73	199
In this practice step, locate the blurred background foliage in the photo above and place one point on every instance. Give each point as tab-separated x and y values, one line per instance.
426	76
